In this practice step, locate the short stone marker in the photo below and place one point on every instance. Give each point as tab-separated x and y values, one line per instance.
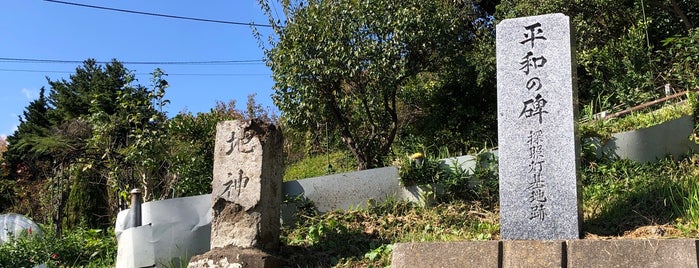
537	106
246	196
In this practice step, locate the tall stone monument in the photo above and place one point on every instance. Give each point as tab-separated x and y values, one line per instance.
540	194
246	196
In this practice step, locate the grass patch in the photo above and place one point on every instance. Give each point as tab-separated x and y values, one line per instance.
622	196
364	237
604	128
317	165
621	199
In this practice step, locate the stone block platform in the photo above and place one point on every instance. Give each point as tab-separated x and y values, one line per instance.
559	253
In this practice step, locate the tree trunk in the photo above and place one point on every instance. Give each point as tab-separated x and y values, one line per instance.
678	11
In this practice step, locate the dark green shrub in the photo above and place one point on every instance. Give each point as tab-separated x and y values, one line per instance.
458	182
78	247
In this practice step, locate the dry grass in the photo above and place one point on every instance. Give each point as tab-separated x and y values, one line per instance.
362	238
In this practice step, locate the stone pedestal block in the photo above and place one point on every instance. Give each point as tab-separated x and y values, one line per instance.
655	253
235	257
476	254
541	254
652	253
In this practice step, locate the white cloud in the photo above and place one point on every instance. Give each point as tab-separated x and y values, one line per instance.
31	94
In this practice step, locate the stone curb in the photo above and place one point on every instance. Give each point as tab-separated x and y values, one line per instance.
558	253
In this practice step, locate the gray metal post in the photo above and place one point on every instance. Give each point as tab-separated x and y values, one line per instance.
136	201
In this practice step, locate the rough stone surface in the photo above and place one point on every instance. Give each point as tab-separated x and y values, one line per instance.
541	254
235	257
537	104
446	254
648	253
247	182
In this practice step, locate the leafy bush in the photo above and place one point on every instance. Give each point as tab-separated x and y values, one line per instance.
420	170
620	70
479	184
683	56
605	128
79	247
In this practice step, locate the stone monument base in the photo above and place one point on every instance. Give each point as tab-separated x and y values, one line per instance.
235	257
559	253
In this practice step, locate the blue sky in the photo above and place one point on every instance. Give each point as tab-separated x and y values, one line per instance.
36	29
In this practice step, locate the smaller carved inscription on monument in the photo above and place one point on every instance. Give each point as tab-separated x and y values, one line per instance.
235	185
241	143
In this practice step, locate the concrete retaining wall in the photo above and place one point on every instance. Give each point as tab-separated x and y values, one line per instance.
349	190
570	253
652	143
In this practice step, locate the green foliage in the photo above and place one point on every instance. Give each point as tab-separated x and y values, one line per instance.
78	248
343	63
686	204
451	112
34	123
319	165
81	149
605	128
620	69
193	140
620	196
453	106
479	184
458	182
615	43
191	155
421	170
683	57
364	237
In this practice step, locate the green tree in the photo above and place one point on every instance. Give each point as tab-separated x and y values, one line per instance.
682	56
25	154
95	135
453	106
129	146
27	158
341	64
81	106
